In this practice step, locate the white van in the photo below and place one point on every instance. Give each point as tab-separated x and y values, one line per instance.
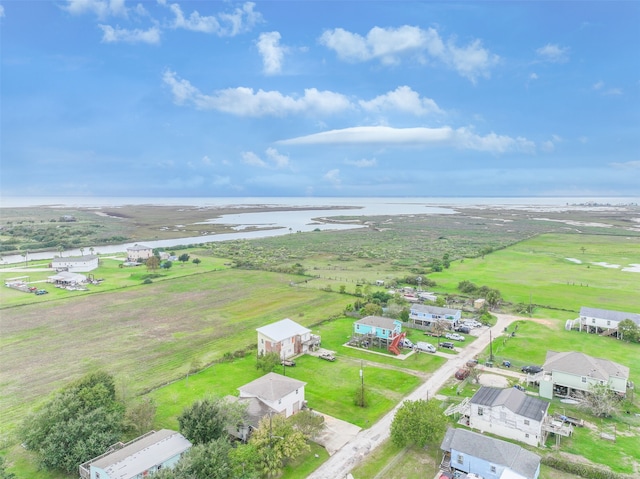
425	347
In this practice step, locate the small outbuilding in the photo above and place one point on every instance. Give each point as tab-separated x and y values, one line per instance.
75	264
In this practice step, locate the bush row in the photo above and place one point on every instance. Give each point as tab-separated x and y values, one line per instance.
583	470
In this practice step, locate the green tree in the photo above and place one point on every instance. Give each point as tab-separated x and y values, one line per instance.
207	419
210	461
276	441
78	423
244	462
196	261
184	257
371	309
600	400
629	331
140	416
308	423
152	263
493	298
404	315
467	287
166	264
266	362
418	423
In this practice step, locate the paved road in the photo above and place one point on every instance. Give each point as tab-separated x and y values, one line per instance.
350	455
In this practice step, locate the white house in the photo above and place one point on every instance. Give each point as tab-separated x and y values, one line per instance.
423	316
595	320
139	253
287	338
472	453
137	458
509	413
567	372
75	264
282	394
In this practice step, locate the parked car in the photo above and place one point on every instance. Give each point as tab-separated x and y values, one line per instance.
454	336
531	369
472	363
463	329
407	343
327	357
288	362
472	323
425	347
447	345
462	374
42	291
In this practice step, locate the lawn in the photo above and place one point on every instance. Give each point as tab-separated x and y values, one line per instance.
541	269
145	335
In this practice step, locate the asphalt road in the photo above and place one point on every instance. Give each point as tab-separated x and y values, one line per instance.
354	451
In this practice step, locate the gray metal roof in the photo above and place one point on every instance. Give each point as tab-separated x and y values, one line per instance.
609	315
581	364
425	308
138	247
377	322
271	387
283	329
492	450
139	455
513	399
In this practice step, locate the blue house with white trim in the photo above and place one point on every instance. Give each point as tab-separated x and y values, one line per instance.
138	458
378	326
470	452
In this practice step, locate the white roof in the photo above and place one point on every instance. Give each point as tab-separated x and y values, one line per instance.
282	330
140	455
75	259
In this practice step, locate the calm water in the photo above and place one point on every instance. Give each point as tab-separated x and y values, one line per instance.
276	223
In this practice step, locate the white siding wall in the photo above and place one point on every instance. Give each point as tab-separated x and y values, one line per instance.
505	423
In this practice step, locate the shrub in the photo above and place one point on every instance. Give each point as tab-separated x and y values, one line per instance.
586	471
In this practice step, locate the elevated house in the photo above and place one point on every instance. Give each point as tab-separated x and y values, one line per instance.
509	413
569	372
138	458
385	332
75	264
603	321
287	338
139	253
423	316
468	452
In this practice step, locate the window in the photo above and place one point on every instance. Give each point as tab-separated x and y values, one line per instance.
460	459
97	475
584	379
493	469
526	422
503	416
526	434
480	411
593	320
296	391
608	323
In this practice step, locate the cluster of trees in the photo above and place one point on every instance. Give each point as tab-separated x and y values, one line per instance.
418	423
84	418
275	441
493	297
629	331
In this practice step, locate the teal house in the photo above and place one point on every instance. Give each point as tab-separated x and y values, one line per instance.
382	328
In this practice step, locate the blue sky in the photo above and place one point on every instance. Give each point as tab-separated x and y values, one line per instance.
329	98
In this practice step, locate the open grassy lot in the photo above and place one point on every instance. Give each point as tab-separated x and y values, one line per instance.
146	335
542	269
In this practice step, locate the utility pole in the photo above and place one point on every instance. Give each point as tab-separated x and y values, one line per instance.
490	347
361	384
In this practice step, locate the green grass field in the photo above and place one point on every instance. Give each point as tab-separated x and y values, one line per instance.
150	335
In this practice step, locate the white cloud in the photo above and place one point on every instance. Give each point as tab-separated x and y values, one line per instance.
533	76
333	177
402	99
613	91
1	11
251	159
243	101
117	35
101	8
223	24
280	160
553	53
271	51
362	163
628	165
206	160
389	44
598	85
463	138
